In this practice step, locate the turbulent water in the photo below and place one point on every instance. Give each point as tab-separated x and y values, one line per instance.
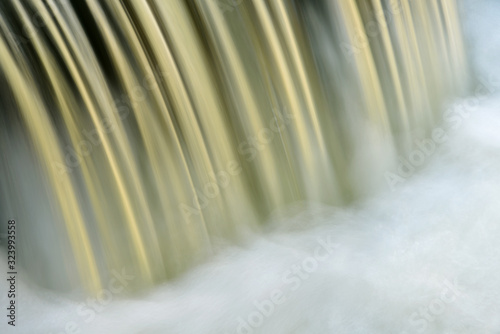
142	132
420	257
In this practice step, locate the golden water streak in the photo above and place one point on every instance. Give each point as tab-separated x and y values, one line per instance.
225	116
47	146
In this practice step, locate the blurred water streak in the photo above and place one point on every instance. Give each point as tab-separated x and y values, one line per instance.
139	133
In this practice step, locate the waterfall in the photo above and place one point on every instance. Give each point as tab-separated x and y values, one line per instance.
144	133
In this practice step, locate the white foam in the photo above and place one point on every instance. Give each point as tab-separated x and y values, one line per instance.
393	257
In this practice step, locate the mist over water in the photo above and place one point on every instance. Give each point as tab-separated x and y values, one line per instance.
421	255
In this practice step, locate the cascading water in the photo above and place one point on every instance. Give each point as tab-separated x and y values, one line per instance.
143	136
157	126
